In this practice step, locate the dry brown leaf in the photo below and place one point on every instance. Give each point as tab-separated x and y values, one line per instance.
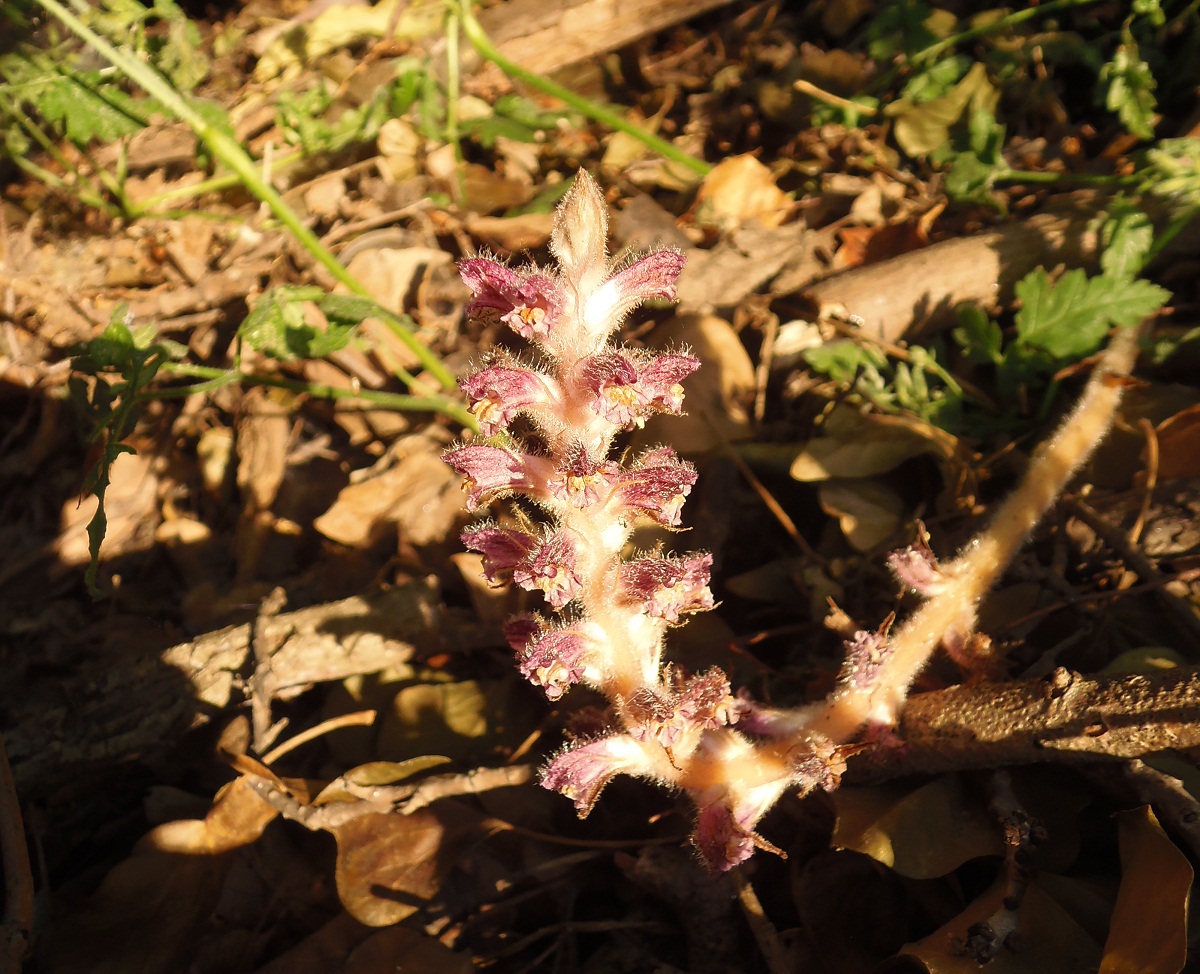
131	504
922	833
438	718
739	265
419	496
1051	942
1179	445
857	445
718	393
149	911
389	865
513	234
738	190
399	949
869	512
1149	929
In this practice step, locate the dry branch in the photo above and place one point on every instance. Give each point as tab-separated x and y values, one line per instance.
547	37
1066	716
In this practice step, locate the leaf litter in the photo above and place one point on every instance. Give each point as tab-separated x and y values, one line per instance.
889	184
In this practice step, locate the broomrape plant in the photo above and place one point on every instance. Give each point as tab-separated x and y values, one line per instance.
687	731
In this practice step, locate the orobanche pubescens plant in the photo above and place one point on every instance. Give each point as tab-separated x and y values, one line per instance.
612	611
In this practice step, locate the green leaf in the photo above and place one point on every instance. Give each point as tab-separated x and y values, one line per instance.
279	325
842	360
1069	319
922	129
1130	89
1127	234
87	109
1172	170
978	335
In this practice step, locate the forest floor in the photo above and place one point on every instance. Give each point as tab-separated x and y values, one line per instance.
257	704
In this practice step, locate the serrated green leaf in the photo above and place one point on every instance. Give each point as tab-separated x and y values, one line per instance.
88	109
1130	90
1069	319
277	325
978	335
1127	234
842	360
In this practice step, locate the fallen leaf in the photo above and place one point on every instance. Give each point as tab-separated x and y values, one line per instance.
869	512
515	234
150	909
739	265
1149	929
419	497
718	394
1051	942
399	950
389	865
1179	445
921	833
740	189
864	445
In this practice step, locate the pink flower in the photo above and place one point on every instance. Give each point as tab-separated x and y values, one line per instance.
502	548
657	485
492	470
721	839
581	772
555	659
916	567
552	569
627	392
498	392
650	277
531	304
581	481
865	655
668	587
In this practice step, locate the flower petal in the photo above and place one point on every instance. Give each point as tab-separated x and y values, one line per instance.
653	276
502	548
530	303
498	392
490	469
667	587
657	485
552	569
581	772
554	659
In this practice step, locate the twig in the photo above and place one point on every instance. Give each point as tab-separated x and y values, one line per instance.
1022	834
364	718
1116	539
18	875
760	925
1175	805
1066	716
376	799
